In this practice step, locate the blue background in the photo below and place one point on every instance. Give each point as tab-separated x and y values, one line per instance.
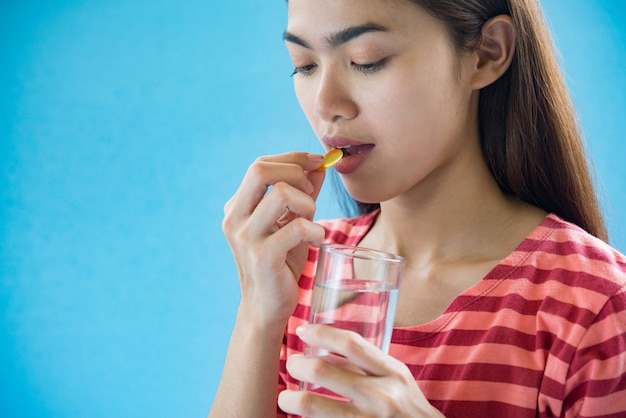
125	125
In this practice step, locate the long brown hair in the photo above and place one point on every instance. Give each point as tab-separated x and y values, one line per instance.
529	131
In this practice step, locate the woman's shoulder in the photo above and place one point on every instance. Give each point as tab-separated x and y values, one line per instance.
568	238
561	246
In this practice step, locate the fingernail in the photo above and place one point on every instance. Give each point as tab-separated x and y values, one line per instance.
315	158
302	331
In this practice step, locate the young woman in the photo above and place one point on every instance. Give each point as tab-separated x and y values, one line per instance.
463	151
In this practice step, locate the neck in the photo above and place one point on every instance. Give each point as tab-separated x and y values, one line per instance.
447	221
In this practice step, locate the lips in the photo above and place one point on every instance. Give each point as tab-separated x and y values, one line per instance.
355	153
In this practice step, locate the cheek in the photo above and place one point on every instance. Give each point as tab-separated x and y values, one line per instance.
305	95
421	106
402	108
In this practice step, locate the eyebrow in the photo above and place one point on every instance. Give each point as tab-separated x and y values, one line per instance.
340	37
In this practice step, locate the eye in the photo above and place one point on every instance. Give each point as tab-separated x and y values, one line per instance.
305	70
370	68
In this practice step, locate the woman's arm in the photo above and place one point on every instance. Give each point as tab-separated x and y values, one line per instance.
248	387
268	224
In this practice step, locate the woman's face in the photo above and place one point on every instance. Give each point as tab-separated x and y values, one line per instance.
381	79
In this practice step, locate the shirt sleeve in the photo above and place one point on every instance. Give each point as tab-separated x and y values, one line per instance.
596	382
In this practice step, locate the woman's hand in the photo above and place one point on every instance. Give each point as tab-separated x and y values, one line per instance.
269	224
375	384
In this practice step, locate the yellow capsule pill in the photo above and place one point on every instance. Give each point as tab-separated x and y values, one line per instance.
331	158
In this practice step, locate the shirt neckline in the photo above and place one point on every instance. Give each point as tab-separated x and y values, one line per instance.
494	278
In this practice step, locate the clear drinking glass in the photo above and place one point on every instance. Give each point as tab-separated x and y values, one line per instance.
355	289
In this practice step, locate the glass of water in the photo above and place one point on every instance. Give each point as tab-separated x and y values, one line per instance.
355	289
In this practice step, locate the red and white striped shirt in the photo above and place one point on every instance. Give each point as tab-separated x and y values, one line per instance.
542	334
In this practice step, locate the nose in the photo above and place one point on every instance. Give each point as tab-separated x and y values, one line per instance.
333	100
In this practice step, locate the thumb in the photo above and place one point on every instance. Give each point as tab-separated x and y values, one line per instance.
317	179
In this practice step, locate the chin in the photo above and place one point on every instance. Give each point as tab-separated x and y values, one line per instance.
369	191
368	198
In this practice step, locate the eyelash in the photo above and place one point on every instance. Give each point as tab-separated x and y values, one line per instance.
305	70
370	68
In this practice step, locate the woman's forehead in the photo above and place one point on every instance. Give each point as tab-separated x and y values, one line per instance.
320	17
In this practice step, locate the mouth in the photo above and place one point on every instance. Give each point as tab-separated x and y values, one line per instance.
349	150
354	153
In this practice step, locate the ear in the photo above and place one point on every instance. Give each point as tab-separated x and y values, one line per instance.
495	51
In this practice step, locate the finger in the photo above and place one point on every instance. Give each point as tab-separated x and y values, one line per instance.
298	231
308	404
252	191
317	179
330	371
286	217
260	177
363	354
228	205
265	172
283	203
308	161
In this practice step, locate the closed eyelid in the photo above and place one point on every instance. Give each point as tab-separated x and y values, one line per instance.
372	67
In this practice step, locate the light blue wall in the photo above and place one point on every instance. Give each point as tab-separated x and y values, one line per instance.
125	125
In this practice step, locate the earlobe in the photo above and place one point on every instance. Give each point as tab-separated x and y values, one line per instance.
496	50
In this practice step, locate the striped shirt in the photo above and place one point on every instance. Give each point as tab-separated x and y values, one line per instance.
542	334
